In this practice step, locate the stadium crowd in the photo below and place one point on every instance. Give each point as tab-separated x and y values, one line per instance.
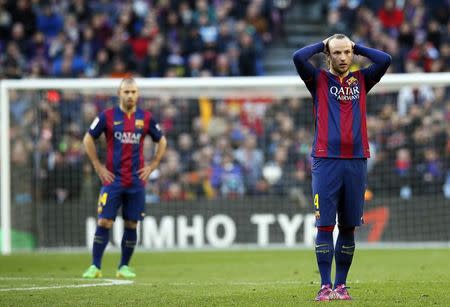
248	147
167	38
243	147
414	32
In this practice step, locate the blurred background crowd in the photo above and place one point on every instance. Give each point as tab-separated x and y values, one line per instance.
217	147
186	38
166	38
414	32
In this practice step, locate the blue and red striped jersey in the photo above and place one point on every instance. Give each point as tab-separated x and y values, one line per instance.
125	142
340	104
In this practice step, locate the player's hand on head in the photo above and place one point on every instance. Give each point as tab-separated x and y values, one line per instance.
325	44
105	175
145	172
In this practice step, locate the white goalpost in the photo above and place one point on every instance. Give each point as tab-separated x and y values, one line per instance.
239	87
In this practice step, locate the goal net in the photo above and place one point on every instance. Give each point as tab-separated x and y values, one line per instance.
237	171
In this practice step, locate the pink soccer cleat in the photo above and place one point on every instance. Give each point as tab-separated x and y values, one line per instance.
324	293
340	293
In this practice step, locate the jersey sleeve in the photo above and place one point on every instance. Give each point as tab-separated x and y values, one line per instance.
381	62
98	126
154	130
304	68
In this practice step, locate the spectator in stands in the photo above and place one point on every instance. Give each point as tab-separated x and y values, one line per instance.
174	192
88	46
431	172
49	21
408	96
195	65
223	38
18	37
341	16
404	173
185	148
255	18
251	159
5	23
80	9
222	66
21	181
434	34
278	173
228	178
23	13
128	33
391	17
154	63
247	56
69	64
13	62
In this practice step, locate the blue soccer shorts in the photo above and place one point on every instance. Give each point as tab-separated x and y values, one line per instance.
112	197
338	187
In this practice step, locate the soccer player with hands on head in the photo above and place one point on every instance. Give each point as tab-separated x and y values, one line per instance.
340	150
124	175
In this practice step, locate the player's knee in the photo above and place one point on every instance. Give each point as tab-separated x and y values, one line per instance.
106	223
130	224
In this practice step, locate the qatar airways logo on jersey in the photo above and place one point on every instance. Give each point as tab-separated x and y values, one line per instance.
128	137
345	93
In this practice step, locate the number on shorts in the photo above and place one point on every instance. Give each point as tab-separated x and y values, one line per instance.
102	199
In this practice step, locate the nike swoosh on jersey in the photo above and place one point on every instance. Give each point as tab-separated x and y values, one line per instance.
117	123
321	245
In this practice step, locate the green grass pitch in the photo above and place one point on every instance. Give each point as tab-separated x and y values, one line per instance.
388	277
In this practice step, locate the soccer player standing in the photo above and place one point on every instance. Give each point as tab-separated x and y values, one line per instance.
124	174
340	150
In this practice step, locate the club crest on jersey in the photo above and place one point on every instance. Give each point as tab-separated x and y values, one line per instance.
139	123
128	137
352	81
345	93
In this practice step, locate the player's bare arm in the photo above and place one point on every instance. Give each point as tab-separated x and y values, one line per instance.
145	172
91	150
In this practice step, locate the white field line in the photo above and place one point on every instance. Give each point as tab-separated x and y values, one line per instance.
108	282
